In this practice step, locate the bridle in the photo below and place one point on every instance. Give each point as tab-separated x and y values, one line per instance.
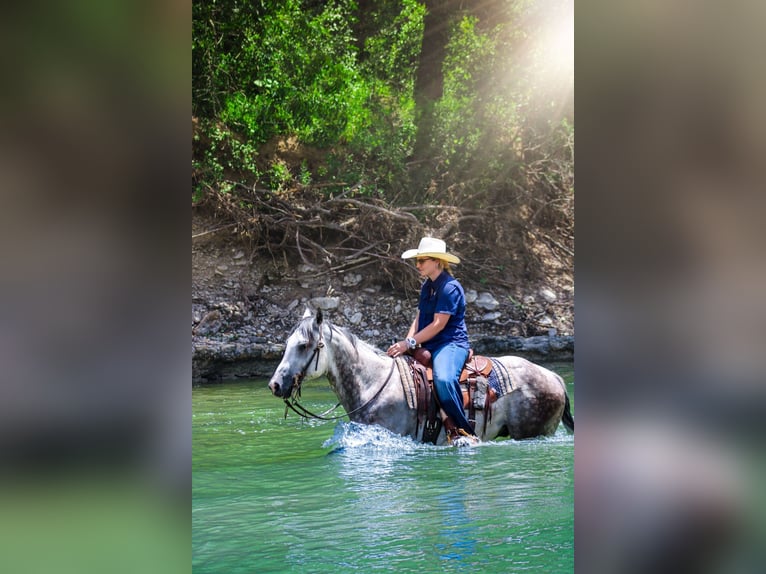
291	402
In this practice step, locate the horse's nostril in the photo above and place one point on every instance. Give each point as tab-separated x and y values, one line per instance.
274	387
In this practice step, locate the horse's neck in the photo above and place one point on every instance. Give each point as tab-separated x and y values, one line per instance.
355	373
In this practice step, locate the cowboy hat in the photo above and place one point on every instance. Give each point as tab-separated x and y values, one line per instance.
431	247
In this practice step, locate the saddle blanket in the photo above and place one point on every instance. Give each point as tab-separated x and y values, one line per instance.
408	382
499	379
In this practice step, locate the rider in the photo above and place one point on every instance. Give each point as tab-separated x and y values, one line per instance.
439	327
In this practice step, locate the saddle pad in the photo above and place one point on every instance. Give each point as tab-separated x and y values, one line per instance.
499	379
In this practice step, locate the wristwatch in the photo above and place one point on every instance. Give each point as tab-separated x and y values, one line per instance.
411	342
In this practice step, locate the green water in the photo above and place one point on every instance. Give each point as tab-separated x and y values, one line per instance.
275	495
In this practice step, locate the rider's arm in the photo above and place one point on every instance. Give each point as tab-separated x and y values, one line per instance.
427	333
414	326
432	329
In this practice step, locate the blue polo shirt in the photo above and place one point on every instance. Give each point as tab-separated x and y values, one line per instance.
445	295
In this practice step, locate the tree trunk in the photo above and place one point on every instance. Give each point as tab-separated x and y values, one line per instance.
429	79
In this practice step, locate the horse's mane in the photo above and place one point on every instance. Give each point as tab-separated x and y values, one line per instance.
355	341
305	327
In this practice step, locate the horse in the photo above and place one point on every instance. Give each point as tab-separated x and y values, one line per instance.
370	388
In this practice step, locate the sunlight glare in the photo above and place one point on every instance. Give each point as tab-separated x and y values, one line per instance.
555	45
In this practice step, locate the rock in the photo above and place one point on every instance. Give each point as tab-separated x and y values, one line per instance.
210	323
325	303
548	295
348	311
487	301
244	308
488	317
351	279
561	343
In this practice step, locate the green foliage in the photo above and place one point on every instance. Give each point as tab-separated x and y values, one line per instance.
391	53
224	156
288	68
305	174
497	115
459	126
294	68
279	175
330	77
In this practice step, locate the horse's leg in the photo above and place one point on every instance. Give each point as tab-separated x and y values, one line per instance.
495	421
390	409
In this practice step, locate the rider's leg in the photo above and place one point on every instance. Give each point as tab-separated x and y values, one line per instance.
448	362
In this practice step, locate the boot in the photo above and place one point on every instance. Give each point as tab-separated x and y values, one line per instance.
462	438
457	436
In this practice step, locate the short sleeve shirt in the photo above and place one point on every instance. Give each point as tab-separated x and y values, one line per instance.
445	295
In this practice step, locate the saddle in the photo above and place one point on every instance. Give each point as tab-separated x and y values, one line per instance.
477	395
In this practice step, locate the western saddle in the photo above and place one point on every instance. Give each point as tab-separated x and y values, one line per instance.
473	383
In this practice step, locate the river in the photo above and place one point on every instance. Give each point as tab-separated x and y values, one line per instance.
284	495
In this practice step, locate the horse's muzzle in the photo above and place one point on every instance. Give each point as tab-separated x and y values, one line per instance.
276	388
281	386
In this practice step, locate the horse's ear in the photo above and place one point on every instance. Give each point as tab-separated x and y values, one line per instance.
319	317
306	313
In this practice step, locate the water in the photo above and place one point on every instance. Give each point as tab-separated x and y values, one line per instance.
275	495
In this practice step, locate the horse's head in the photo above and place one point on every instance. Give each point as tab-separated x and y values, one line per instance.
304	356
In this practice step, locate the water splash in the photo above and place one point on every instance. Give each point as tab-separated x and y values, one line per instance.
368	457
368	438
376	439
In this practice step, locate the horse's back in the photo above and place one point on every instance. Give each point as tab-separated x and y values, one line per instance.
536	401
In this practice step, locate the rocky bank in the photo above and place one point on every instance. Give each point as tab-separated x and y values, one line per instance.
244	306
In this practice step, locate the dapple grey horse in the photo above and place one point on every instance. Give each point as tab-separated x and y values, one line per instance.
370	388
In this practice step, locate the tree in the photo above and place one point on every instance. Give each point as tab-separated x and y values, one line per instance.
429	79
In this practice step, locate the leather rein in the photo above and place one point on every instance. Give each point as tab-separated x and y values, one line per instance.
291	402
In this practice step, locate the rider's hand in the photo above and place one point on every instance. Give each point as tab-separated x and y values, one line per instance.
397	349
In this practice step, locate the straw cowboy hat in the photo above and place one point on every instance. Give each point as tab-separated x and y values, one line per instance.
431	247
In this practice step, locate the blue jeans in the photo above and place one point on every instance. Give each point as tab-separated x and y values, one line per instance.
447	363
